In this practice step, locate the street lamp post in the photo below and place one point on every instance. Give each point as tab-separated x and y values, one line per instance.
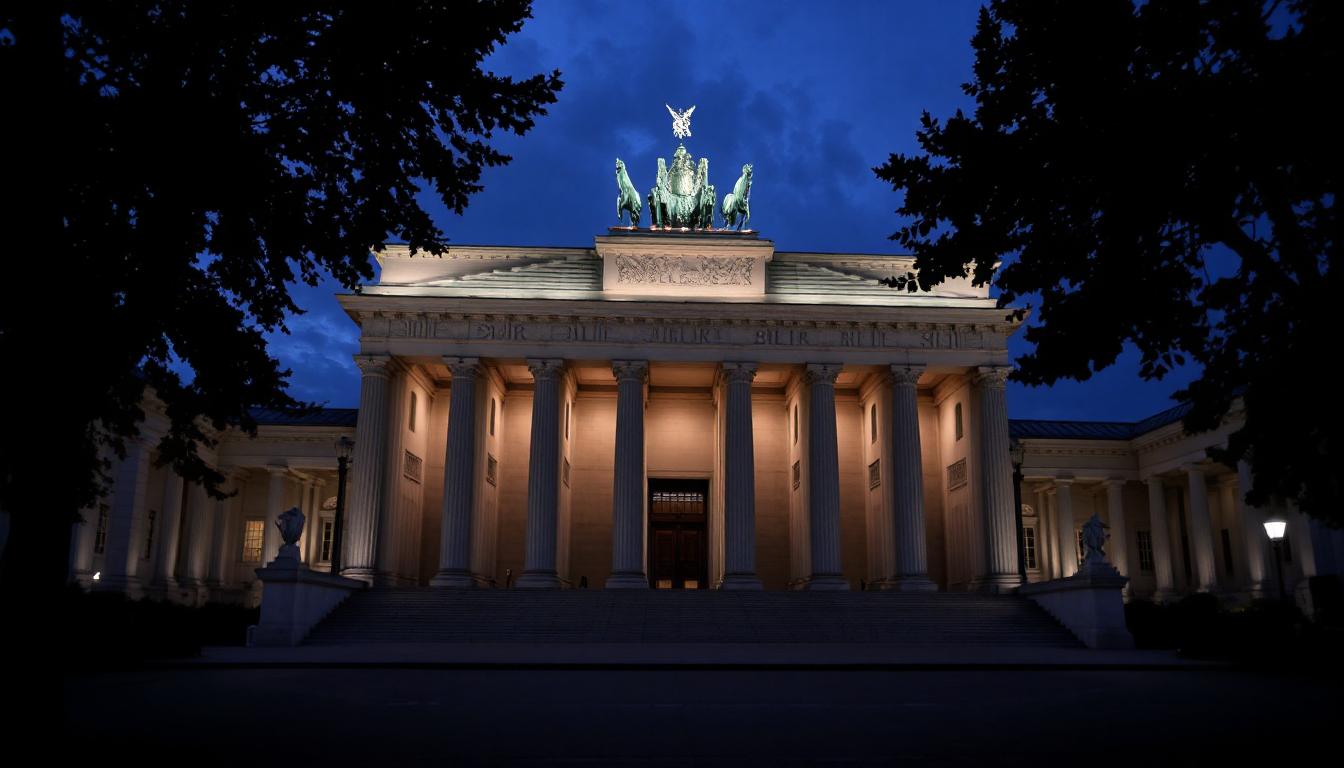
344	447
1275	530
1017	452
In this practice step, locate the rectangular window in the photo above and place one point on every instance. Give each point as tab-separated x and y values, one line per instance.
151	518
566	419
100	535
875	473
254	530
795	423
1029	546
797	473
328	532
1227	552
872	422
491	469
1145	550
492	416
412	419
564	471
956	418
412	467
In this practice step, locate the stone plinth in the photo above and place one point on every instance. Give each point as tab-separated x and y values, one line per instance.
1090	604
295	599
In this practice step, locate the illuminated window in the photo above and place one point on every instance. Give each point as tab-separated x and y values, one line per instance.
956	418
150	519
100	535
412	419
872	421
253	532
328	531
1029	546
1145	550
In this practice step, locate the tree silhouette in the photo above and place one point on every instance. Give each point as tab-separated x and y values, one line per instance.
201	157
1115	152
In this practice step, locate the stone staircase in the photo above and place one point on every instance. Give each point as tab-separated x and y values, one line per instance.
423	615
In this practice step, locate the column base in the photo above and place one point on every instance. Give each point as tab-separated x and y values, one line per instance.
996	584
741	581
451	579
627	581
365	575
907	584
537	580
826	582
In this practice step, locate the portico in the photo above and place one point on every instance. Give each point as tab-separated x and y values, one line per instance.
551	387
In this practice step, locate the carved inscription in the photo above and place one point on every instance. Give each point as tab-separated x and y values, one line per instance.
679	270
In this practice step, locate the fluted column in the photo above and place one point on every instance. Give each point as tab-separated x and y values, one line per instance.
1201	530
1258	563
220	519
200	527
359	530
739	501
275	504
627	525
1045	538
907	474
1068	535
543	477
1118	551
459	477
1160	537
126	520
823	479
170	528
999	518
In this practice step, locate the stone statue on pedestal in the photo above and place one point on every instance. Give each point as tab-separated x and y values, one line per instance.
290	522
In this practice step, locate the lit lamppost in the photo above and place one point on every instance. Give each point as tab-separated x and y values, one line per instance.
1017	452
1275	529
344	447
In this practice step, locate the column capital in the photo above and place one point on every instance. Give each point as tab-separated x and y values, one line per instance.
1192	469
627	370
1064	482
1154	481
992	375
822	373
465	367
905	375
545	368
373	365
1112	482
276	470
739	373
1228	480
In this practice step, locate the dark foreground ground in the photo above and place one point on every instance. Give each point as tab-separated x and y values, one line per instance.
393	717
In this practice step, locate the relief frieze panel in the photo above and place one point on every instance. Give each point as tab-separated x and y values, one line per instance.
655	269
653	331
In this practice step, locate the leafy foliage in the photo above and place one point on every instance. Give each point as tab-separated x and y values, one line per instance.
1115	152
203	158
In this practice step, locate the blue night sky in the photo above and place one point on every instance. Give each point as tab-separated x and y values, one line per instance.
814	96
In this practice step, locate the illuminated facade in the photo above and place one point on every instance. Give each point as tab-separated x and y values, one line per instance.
689	412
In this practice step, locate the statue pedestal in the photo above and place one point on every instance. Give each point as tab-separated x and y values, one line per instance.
1090	604
294	599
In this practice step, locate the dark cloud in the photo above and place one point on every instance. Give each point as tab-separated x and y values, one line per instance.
812	96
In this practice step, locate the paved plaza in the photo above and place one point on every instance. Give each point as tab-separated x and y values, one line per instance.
415	715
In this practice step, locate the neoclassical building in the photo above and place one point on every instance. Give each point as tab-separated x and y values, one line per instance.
688	411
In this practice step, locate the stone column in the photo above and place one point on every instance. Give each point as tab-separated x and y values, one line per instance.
1201	531
999	571
359	532
1161	539
126	517
543	477
166	538
907	476
1115	509
200	527
1068	536
739	481
1259	564
275	504
221	520
1045	537
627	525
309	521
823	479
459	477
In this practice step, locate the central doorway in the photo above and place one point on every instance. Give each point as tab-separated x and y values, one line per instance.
678	534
